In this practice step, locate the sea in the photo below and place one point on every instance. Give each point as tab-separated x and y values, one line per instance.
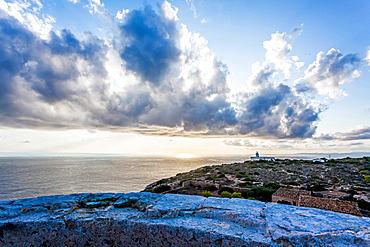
34	176
26	177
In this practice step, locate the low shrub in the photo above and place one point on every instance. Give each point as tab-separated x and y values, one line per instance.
316	187
230	190
236	195
349	198
240	174
226	194
272	185
211	188
246	184
162	188
260	193
363	204
206	193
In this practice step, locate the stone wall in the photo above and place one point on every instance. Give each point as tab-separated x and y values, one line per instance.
289	195
284	200
346	207
147	219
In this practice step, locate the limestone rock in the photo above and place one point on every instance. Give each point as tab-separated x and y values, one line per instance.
147	219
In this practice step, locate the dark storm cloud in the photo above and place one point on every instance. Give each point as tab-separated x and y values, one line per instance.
151	47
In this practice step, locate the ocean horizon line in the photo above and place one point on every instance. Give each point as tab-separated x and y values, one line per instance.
246	156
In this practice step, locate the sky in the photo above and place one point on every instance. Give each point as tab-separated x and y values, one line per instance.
186	76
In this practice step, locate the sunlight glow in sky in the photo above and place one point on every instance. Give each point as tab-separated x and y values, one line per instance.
184	77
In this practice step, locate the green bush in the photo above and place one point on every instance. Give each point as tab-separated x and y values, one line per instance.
363	204
162	188
230	190
211	188
240	174
249	179
226	194
316	187
367	179
260	193
246	184
349	198
236	195
364	172
206	193
272	185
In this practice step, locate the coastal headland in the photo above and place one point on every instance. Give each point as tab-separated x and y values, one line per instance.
326	181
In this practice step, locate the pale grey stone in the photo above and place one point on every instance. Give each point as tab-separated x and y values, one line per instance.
147	219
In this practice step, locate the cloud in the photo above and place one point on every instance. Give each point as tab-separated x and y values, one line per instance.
168	77
122	14
151	47
259	144
359	133
328	72
204	21
367	58
278	49
192	7
272	108
152	76
28	14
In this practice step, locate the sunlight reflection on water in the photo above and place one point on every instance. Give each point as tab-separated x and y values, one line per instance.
24	177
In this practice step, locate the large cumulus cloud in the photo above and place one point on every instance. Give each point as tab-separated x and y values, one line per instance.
153	76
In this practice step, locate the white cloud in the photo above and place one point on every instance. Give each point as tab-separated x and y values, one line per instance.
28	13
169	11
192	7
367	58
204	20
96	7
121	14
328	72
277	52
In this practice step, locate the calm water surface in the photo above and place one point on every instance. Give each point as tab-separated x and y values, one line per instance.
24	177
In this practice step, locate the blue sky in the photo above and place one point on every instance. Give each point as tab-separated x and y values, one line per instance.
169	77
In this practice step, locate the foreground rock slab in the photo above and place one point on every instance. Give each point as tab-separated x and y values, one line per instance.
146	219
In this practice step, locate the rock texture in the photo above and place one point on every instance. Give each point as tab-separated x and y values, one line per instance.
146	219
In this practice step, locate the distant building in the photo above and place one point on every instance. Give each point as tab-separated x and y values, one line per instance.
318	160
257	157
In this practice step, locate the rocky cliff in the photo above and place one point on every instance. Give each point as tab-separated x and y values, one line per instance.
146	219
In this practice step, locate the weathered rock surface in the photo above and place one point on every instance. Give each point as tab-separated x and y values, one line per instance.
146	219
